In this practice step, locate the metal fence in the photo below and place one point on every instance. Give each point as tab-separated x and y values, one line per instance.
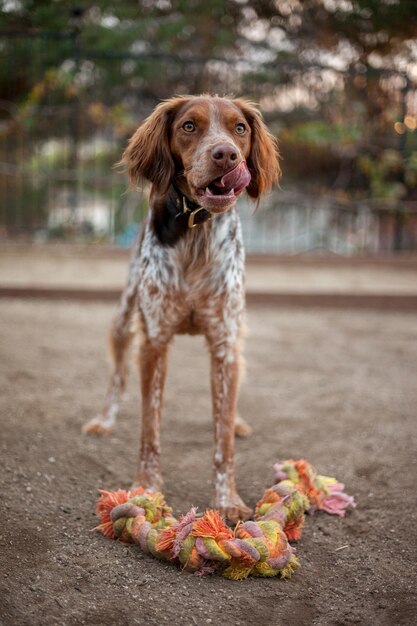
59	143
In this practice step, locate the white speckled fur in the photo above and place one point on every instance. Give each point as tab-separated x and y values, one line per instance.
171	287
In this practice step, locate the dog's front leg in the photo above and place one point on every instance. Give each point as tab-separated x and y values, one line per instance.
224	384
152	366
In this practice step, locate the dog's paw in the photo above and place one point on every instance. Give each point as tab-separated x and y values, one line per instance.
235	513
98	426
233	508
149	479
242	428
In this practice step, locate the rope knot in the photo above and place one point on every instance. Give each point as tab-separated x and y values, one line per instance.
202	545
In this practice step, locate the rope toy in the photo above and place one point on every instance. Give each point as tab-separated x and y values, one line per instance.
204	544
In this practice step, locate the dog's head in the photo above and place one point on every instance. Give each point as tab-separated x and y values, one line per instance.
212	148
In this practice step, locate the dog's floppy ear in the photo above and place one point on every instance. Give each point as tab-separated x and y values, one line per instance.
148	154
263	161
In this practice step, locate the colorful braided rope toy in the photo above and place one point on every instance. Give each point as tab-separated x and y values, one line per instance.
205	544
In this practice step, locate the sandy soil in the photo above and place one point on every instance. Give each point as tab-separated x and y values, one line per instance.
338	387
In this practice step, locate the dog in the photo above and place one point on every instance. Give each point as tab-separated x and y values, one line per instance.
187	268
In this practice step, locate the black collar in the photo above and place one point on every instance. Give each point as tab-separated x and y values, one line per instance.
175	214
188	211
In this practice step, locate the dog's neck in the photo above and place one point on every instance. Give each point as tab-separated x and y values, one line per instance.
175	215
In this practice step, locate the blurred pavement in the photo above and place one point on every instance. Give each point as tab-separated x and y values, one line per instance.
101	270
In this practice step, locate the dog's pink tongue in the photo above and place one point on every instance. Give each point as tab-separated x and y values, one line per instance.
237	179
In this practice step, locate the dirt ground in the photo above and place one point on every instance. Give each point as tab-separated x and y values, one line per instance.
337	387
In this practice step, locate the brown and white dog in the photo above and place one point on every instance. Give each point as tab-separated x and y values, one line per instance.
187	268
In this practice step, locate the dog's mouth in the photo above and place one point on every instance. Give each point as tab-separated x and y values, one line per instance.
226	188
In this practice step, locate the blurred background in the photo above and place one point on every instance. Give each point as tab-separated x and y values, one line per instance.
331	285
335	79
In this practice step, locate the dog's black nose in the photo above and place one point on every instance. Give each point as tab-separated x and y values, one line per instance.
224	155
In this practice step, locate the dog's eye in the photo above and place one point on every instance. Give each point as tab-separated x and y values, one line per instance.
189	126
240	129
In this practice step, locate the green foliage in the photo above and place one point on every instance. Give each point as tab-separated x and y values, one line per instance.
410	174
94	74
321	133
197	29
389	175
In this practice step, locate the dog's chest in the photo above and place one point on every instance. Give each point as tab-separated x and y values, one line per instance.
201	274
